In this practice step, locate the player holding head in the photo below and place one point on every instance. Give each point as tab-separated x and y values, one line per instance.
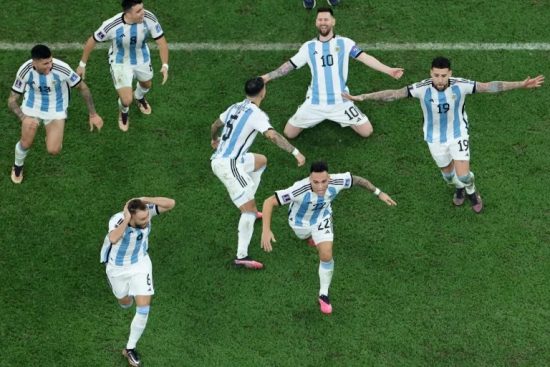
310	215
128	265
44	82
446	123
239	170
328	56
129	55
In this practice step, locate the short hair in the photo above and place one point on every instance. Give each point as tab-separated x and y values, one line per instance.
254	86
136	204
319	166
325	10
441	62
40	52
128	4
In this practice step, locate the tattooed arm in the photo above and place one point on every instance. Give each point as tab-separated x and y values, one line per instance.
94	120
385	95
363	182
282	143
283	70
214	138
498	86
13	104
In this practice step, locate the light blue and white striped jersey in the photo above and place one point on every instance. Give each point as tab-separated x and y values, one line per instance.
45	96
242	122
129	41
133	244
306	207
445	118
328	62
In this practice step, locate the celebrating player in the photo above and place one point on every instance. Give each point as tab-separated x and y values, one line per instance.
129	55
310	216
446	123
239	170
44	81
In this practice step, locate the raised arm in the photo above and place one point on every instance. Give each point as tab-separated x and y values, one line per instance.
214	138
498	86
373	63
267	235
88	48
363	182
284	69
385	95
282	143
163	204
95	120
163	52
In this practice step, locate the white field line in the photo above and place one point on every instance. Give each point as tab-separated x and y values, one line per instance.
252	46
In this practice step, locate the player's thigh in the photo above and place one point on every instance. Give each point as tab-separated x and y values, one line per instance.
441	154
253	161
122	75
325	250
323	231
347	114
144	74
28	130
302	232
460	152
55	130
235	179
141	281
119	280
306	116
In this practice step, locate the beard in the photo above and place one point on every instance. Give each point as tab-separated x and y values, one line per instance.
326	32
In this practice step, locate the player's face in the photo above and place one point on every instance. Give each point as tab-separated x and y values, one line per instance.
136	14
440	78
324	23
319	182
141	218
43	66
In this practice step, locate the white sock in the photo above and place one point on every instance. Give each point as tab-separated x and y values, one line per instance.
458	184
138	325
256	177
20	154
469	182
325	275
140	92
246	228
122	108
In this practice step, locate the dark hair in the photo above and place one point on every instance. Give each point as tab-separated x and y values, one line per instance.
40	52
441	62
325	10
136	204
319	166
128	4
254	86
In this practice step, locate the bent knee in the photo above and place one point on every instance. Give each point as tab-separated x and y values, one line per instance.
54	150
126	100
364	130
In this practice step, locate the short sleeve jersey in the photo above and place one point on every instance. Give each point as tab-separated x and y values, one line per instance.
328	62
242	122
129	41
445	117
133	244
306	207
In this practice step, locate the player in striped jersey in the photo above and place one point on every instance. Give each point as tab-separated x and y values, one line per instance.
129	55
45	83
239	170
310	216
328	58
128	266
446	123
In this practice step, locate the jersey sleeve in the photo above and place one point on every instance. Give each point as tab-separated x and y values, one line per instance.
21	78
261	122
223	115
354	50
284	196
291	194
415	90
153	210
106	31
300	59
341	181
153	25
105	250
467	86
71	77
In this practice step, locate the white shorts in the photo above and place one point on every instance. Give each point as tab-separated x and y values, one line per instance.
131	280
322	232
346	114
444	153
234	175
123	75
44	117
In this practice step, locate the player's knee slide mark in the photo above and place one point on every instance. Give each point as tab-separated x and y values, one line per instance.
143	310
468	179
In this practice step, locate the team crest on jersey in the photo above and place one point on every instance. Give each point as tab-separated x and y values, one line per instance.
337	49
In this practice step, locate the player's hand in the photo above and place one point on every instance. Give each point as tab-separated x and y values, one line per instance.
126	212
387	199
396	73
81	72
533	83
358	98
301	159
267	237
95	121
214	143
164	71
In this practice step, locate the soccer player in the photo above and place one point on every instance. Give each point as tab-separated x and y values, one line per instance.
446	123
310	216
45	81
129	55
328	57
128	265
239	170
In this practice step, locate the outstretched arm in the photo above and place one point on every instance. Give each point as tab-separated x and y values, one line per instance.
385	95
88	47
498	86
284	69
267	235
373	63
163	204
363	182
214	138
163	51
282	143
95	120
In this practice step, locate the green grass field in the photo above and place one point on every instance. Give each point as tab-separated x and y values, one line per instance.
421	284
